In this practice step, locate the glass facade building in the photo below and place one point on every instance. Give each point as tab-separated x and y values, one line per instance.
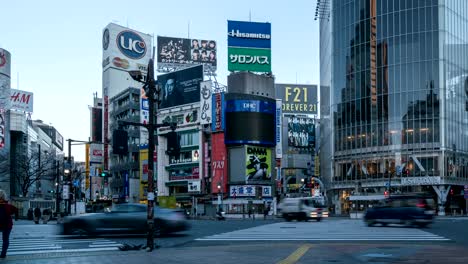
394	89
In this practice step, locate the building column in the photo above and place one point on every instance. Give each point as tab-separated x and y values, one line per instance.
442	192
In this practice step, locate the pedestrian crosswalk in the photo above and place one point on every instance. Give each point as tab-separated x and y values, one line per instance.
339	230
27	246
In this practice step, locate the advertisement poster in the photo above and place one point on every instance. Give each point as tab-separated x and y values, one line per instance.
5	68
258	163
218	112
181	51
301	133
180	87
298	98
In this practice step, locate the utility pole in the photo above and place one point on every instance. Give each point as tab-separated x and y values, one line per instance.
69	177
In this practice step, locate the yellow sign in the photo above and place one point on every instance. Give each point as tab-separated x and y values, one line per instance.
143	173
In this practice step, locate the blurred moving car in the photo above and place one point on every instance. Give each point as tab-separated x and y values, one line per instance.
125	219
408	210
302	208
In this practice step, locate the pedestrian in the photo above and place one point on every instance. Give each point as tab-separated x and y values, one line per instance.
250	212
6	223
30	214
37	215
46	215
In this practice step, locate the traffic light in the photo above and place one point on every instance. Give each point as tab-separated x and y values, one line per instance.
104	174
451	192
173	144
386	194
51	191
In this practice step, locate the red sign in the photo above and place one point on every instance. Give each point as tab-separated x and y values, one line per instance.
196	172
219	162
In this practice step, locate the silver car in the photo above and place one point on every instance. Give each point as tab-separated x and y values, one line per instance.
125	219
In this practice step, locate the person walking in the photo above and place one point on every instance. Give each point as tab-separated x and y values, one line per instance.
6	223
37	215
46	215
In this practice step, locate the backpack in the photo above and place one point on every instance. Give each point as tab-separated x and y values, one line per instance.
4	217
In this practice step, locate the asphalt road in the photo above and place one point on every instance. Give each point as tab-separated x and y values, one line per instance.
272	241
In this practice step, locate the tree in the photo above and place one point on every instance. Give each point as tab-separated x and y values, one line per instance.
30	169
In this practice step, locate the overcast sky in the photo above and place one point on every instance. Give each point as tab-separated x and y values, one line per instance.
56	45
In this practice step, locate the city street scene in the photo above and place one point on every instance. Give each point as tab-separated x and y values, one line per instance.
324	131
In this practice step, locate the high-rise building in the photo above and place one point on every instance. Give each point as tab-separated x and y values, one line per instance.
394	99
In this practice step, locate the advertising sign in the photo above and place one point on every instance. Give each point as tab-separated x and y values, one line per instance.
258	163
21	100
219	168
244	59
250	122
194	186
298	98
249	34
205	103
186	52
301	134
58	140
249	46
428	180
218	112
96	153
279	126
124	48
5	68
180	87
242	191
96	124
66	192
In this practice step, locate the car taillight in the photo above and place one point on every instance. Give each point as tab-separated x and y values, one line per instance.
319	209
421	205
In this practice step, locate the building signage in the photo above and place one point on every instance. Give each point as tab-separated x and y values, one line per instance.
173	52
66	192
130	44
194	186
242	190
279	129
243	59
266	191
258	163
218	112
428	180
5	69
21	100
96	153
301	134
298	98
205	103
249	46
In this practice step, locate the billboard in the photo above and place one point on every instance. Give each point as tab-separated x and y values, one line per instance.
249	46
180	87
58	140
301	134
21	100
298	98
250	122
279	126
219	164
257	164
205	103
96	124
96	153
186	52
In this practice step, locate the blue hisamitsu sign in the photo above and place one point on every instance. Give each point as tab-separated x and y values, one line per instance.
249	34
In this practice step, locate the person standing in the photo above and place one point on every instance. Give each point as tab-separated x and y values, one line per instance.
37	215
46	215
6	223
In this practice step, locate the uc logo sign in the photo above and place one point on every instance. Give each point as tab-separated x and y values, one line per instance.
131	44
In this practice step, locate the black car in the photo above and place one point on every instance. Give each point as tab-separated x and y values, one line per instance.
125	219
406	210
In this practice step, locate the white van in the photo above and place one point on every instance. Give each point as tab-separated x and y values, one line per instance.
302	208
